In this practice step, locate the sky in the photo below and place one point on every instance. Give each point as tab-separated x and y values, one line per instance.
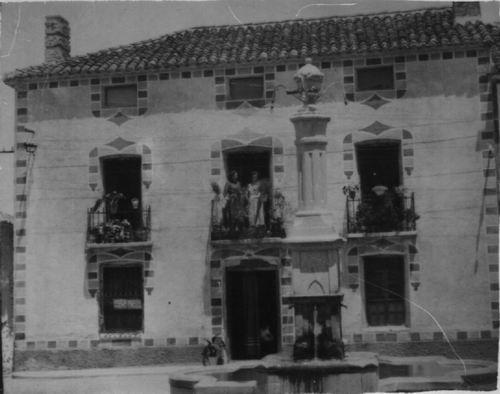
97	25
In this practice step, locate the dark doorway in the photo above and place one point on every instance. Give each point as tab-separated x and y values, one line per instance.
123	175
122	299
252	310
379	164
385	290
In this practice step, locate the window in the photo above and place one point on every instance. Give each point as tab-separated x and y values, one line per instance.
249	89
119	216
250	193
385	290
245	161
374	78
120	96
384	204
122	299
122	177
379	164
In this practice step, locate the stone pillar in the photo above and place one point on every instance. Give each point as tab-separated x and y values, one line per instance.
57	39
312	221
312	240
311	157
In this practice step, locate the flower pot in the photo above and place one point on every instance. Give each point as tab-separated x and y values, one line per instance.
379	189
141	235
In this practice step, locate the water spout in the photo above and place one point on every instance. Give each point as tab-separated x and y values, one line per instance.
316	331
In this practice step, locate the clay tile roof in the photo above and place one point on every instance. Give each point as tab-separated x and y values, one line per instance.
277	41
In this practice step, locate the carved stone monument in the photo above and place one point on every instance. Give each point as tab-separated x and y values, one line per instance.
313	242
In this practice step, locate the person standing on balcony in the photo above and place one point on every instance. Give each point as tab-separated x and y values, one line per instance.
233	211
135	216
218	204
256	197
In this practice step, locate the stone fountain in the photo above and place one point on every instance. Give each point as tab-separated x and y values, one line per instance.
313	242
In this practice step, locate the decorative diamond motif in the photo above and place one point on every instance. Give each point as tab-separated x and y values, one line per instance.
247	135
119	143
119	118
266	142
376	128
230	143
245	109
375	101
120	252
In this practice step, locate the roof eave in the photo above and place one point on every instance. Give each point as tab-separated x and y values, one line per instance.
14	80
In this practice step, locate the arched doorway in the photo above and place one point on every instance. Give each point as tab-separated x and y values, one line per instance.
252	302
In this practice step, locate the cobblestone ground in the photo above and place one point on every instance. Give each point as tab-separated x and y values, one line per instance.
136	384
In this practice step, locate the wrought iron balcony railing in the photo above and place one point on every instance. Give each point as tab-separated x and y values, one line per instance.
230	224
388	212
122	226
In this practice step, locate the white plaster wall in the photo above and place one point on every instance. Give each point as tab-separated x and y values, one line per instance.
57	305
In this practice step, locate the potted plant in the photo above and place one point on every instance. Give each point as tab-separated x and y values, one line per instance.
141	234
385	210
279	213
350	191
93	236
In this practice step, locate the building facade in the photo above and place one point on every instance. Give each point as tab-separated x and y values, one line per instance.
132	233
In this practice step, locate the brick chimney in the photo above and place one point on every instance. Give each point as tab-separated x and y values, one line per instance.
466	10
57	39
472	11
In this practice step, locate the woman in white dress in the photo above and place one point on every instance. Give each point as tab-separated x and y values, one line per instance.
256	199
218	204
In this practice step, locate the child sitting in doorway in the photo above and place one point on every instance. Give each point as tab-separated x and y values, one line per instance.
214	353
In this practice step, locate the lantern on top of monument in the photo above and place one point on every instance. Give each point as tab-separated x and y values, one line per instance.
309	80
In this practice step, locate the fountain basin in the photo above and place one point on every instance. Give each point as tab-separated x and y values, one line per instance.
435	373
357	373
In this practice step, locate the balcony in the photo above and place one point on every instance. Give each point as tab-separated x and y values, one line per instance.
120	227
240	221
381	211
